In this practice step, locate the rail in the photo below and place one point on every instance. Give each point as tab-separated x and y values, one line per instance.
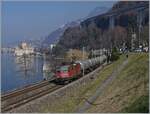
19	97
27	99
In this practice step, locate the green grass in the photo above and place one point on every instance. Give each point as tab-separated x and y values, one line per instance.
103	75
137	73
140	105
128	89
68	103
134	74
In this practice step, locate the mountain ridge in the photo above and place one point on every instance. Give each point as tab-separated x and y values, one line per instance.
54	36
94	33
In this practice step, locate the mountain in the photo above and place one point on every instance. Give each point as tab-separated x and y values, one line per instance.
127	4
54	36
94	32
98	11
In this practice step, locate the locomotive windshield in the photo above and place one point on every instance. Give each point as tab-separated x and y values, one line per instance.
62	69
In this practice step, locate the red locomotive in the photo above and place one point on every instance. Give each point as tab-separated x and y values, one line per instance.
68	72
72	71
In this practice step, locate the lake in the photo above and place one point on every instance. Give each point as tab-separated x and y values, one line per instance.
17	72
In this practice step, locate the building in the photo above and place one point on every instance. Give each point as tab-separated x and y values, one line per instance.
24	48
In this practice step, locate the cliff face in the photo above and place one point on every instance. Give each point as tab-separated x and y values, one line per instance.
98	11
122	19
94	33
126	4
55	35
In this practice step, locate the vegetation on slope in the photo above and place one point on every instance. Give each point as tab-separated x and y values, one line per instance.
128	90
94	33
74	55
141	105
72	99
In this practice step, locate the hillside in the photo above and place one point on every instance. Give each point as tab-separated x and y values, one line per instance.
98	11
126	4
127	92
122	86
94	33
55	35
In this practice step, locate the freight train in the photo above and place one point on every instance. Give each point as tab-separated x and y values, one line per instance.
75	70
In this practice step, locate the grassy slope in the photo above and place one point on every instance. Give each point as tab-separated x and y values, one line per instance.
131	84
129	91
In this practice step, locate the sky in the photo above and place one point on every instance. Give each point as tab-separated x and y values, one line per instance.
27	20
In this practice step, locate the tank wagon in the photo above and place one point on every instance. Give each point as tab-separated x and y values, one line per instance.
91	63
72	71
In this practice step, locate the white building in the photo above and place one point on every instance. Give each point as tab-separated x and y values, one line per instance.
23	49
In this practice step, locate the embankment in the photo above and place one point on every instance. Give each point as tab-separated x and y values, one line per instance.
129	89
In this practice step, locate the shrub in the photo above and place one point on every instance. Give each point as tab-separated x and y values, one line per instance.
115	54
141	105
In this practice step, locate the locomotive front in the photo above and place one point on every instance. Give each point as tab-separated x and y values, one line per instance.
68	72
62	72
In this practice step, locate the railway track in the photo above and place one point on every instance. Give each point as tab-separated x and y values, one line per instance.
20	91
20	97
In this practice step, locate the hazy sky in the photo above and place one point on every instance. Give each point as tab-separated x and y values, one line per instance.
34	20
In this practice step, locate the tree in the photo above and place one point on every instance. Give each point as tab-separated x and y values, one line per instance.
119	36
115	54
145	36
74	54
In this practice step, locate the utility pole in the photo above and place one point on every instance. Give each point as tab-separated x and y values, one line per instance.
83	59
92	53
101	52
140	19
71	54
83	53
139	37
36	63
132	41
